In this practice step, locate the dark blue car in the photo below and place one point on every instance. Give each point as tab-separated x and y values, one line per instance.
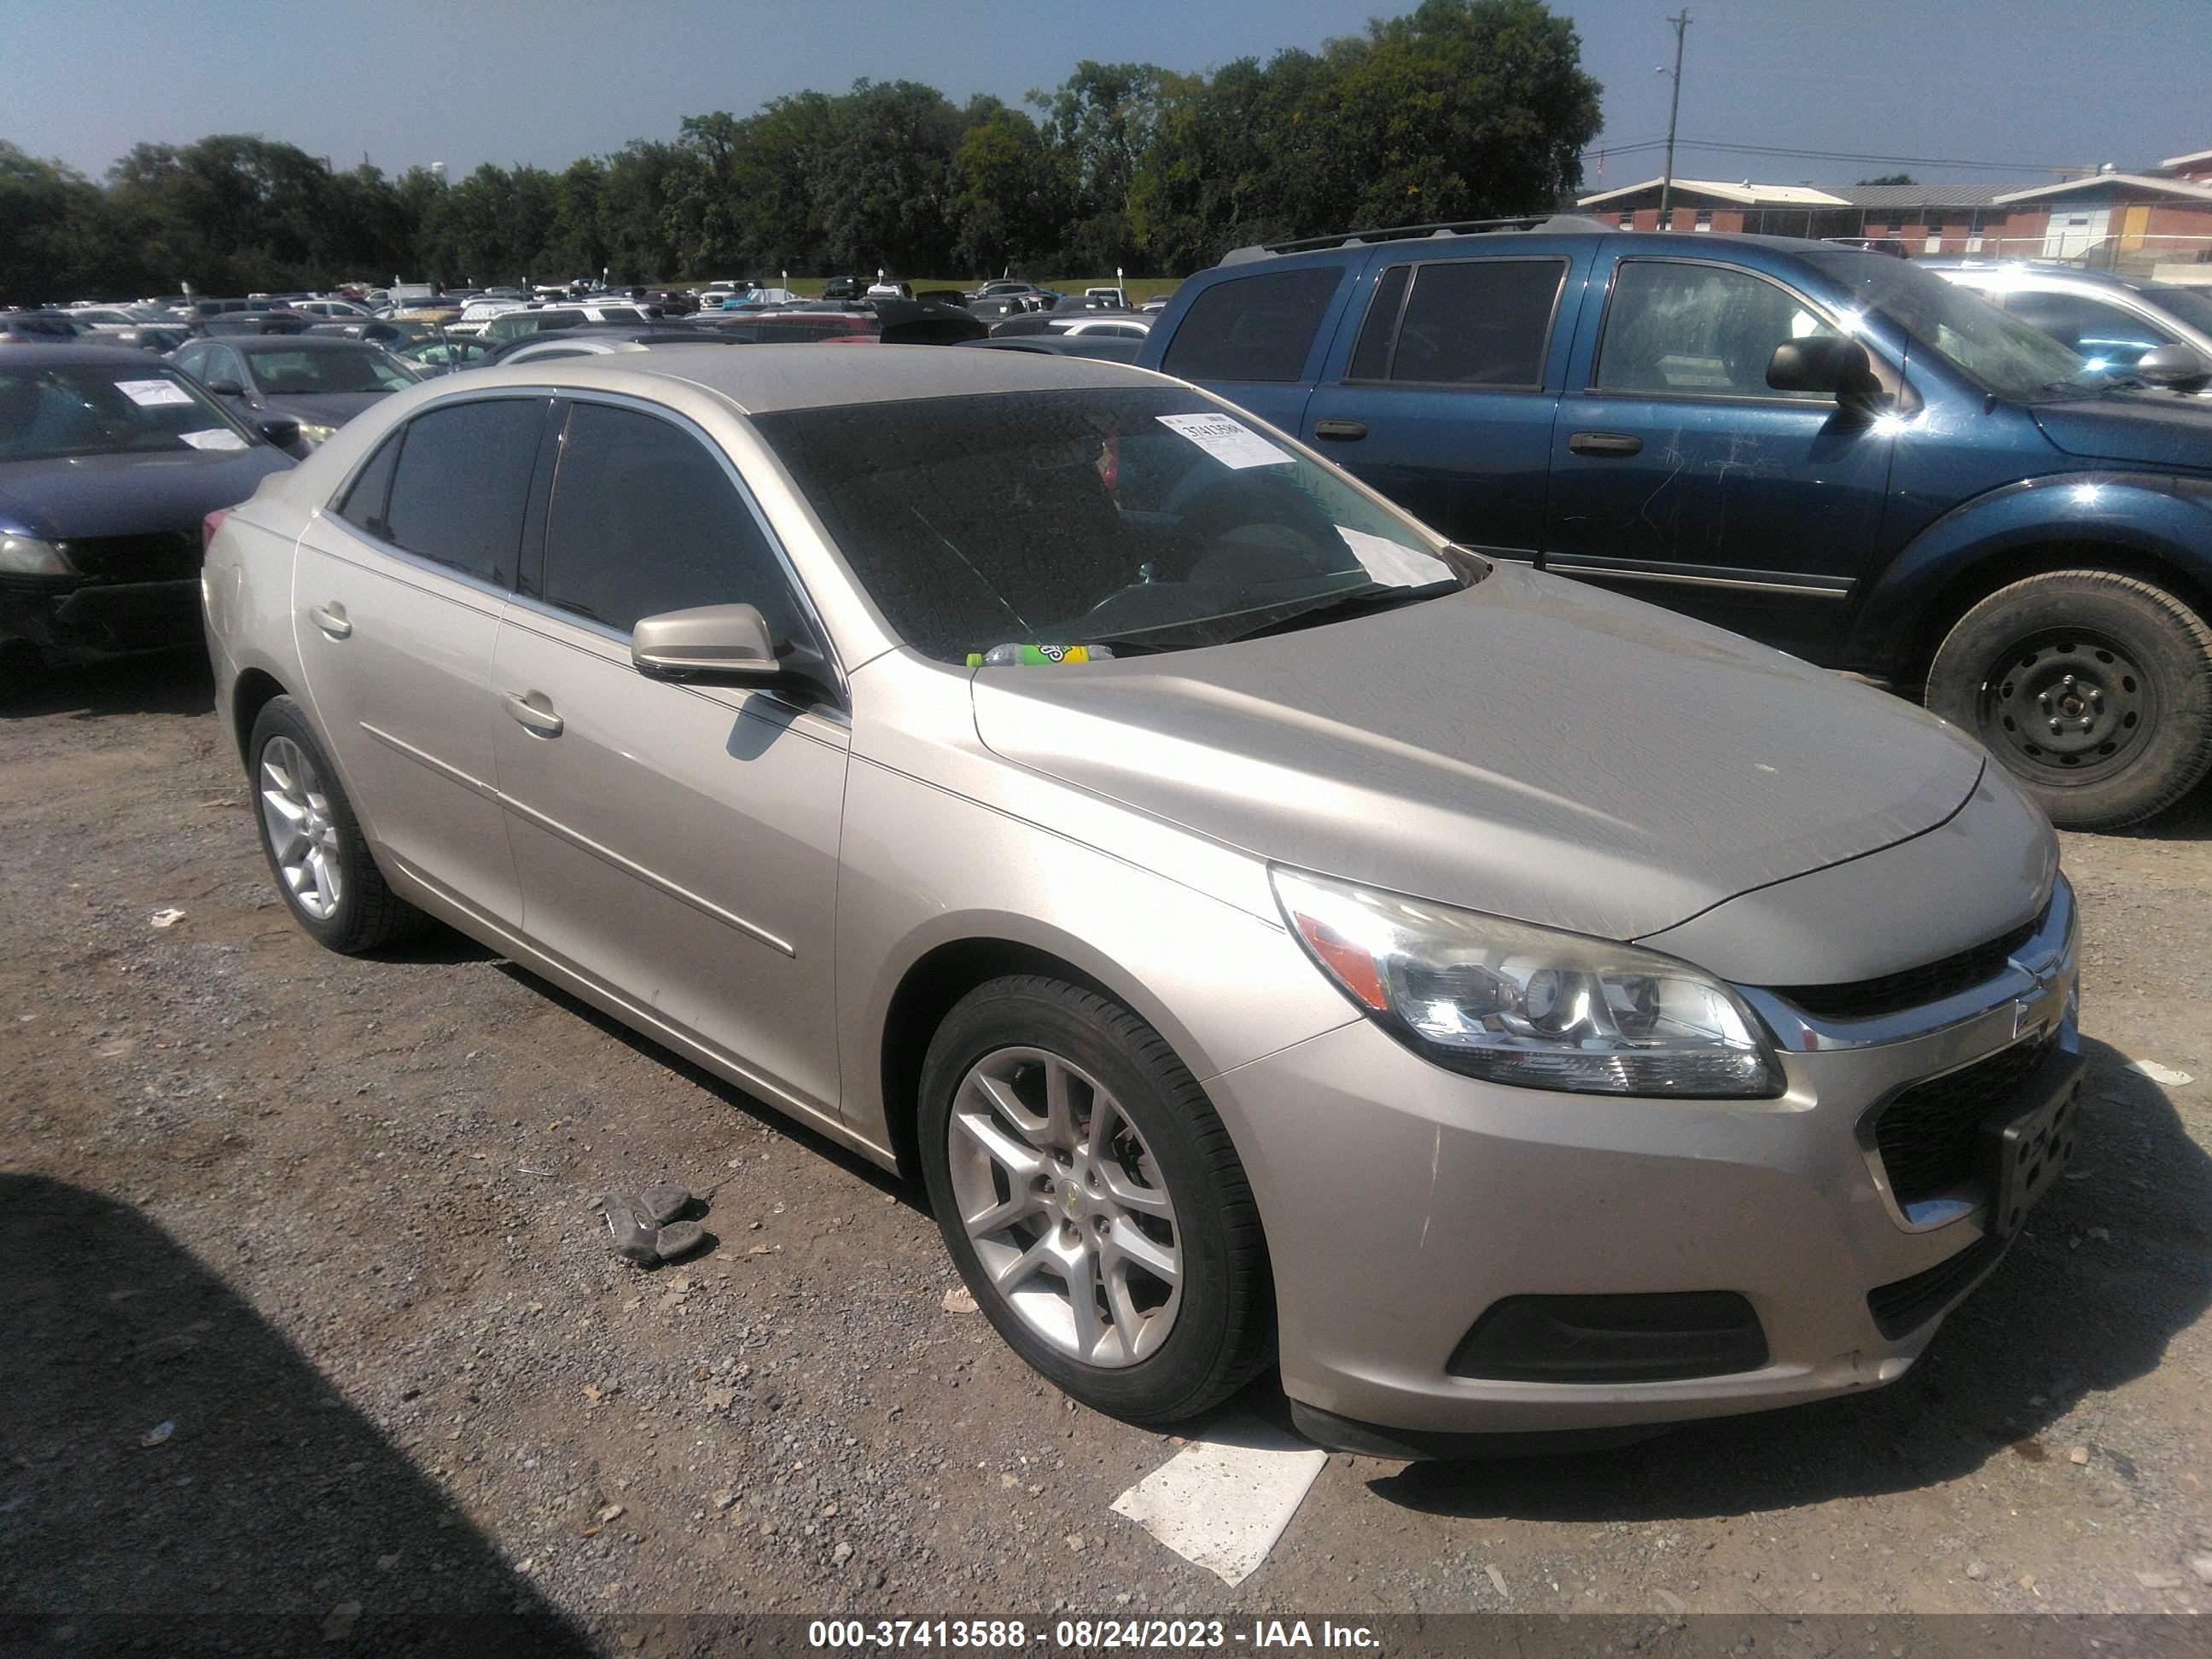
109	462
1832	451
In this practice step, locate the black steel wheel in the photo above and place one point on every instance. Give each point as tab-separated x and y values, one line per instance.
2093	688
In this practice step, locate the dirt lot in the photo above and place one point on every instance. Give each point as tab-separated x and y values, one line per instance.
328	1219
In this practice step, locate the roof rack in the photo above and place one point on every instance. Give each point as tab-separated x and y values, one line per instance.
1567	223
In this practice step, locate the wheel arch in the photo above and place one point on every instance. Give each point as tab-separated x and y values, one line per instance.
254	690
2138	526
926	992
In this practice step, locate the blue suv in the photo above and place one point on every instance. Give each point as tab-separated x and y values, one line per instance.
1831	449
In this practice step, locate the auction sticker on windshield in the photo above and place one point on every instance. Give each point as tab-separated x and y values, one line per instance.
1229	441
216	438
152	394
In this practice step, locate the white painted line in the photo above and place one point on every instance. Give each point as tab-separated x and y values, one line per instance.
1223	1502
2149	1068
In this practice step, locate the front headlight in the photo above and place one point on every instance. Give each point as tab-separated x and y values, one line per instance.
314	432
26	556
1527	1006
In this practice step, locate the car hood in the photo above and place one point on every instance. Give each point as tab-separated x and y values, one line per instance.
1528	747
322	407
86	496
2157	429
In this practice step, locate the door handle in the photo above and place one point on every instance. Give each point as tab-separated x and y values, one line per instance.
1342	431
525	707
1605	443
332	619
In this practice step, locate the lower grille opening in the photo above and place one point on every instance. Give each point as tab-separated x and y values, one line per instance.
1638	1338
1928	1134
1906	1304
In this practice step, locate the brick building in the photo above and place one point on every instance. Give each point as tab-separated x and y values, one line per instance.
2160	218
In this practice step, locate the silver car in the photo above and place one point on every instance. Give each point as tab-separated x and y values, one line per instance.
1273	935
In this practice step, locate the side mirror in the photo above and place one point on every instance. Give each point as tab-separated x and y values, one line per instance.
1829	363
226	388
717	641
280	431
2177	367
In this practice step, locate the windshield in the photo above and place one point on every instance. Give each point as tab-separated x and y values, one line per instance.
1998	353
2188	304
280	372
1141	518
88	409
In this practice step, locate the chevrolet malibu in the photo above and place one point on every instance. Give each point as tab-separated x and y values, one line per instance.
1272	934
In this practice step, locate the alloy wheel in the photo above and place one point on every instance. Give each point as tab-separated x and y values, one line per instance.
1066	1206
303	837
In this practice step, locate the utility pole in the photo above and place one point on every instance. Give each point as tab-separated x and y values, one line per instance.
1680	22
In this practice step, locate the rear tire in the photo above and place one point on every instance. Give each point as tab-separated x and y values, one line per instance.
1118	1250
2093	688
312	842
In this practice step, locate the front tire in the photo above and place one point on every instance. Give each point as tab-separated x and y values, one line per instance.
314	842
2094	689
1092	1202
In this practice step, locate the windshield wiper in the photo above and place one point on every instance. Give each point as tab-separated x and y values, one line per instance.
1358	602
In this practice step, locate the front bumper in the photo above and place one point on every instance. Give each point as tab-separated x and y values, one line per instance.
70	622
1402	1202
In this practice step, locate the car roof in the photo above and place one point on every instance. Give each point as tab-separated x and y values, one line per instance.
250	342
39	353
765	380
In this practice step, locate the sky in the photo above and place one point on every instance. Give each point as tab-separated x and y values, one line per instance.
2028	84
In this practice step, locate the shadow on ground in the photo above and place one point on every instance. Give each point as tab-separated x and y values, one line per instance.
769	1117
176	1477
172	683
2067	1314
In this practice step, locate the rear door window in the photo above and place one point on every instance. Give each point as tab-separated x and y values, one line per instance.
1478	323
461	485
1254	328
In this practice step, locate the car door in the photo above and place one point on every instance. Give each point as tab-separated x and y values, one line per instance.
1679	476
398	591
677	843
1446	400
1258	341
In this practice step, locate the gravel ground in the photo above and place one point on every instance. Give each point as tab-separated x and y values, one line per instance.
303	1311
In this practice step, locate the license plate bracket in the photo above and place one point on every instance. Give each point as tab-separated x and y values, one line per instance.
2027	1151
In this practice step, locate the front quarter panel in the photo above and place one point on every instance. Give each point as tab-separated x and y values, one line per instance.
945	843
2155	518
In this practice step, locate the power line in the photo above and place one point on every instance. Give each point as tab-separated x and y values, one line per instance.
1606	150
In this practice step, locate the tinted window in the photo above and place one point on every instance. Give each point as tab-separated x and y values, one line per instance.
461	485
1698	330
1478	322
2107	335
1370	358
1253	328
363	505
644	520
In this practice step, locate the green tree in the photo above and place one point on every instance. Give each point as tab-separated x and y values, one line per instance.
1892	179
1009	205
